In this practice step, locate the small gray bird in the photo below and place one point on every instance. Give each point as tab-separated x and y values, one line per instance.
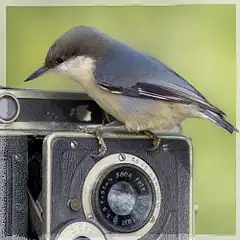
139	91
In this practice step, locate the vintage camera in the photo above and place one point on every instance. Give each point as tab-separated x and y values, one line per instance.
59	191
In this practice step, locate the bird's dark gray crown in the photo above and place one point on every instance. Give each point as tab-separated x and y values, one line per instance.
78	41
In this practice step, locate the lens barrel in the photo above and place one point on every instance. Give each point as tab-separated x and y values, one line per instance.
123	199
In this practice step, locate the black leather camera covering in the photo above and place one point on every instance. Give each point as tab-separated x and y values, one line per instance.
71	166
13	191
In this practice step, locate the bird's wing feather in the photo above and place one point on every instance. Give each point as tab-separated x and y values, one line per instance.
129	72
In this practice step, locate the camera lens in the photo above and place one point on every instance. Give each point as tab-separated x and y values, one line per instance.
123	199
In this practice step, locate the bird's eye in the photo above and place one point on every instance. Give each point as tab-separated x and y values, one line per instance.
59	60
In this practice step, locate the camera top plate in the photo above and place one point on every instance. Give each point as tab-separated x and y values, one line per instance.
41	112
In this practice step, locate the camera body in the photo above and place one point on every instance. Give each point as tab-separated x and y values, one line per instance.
58	191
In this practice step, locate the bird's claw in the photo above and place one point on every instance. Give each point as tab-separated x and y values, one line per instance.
97	131
156	141
86	129
103	148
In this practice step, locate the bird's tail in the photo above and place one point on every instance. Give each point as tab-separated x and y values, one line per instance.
219	120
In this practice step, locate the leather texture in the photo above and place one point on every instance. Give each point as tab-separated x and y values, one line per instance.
13	191
71	166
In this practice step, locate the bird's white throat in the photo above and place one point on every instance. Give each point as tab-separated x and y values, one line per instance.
80	68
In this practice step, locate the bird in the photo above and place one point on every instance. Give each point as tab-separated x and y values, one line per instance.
142	93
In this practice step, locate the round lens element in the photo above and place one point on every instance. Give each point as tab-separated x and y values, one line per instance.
124	199
9	108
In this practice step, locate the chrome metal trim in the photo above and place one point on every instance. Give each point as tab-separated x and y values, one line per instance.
40	126
12	133
23	133
96	172
2	95
40	94
47	169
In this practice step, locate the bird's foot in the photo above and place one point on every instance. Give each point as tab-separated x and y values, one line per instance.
91	129
97	131
156	140
102	145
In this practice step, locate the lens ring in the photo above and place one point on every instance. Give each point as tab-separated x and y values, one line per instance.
98	170
17	105
135	198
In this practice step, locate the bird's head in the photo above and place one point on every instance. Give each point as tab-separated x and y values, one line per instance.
74	52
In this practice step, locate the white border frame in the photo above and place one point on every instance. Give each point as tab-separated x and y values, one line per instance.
6	3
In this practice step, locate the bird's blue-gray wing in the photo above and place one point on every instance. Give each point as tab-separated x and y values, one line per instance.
129	72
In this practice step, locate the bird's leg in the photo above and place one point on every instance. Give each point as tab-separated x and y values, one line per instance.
98	130
103	147
155	138
107	117
114	126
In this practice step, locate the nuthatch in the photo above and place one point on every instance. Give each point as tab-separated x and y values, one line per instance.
139	91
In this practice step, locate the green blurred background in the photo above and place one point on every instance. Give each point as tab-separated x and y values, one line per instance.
197	41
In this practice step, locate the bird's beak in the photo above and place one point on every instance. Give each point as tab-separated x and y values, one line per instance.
37	73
